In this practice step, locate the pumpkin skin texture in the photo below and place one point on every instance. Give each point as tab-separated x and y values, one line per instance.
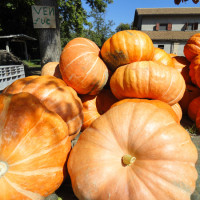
194	65
82	68
193	108
191	93
52	69
157	103
148	79
177	109
33	150
56	96
125	47
96	105
192	47
162	156
161	56
180	62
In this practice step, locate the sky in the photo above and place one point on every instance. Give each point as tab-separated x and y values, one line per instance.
123	11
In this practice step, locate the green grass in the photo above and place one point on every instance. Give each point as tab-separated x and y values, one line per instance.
32	63
193	130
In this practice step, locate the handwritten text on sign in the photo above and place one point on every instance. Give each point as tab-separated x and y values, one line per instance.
43	17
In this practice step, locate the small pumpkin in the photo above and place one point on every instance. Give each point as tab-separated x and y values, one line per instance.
192	47
82	68
160	104
148	79
125	47
191	93
193	108
55	95
134	151
52	69
33	150
161	56
96	105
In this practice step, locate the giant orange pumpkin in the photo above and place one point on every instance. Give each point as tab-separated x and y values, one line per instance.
125	47
34	146
161	56
192	47
52	69
194	65
55	95
82	68
148	79
175	111
134	151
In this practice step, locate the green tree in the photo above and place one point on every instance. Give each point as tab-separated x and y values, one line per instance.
122	27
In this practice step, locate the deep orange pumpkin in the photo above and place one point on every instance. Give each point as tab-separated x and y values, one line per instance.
82	68
34	146
96	105
193	108
161	56
52	69
191	92
194	65
125	47
134	151
148	79
192	47
157	103
55	95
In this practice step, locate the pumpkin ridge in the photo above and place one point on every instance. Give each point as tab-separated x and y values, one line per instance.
73	45
29	194
43	152
24	138
89	42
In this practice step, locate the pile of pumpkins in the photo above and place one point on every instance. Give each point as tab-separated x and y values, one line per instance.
123	101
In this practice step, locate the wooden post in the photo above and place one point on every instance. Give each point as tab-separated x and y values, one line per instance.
49	38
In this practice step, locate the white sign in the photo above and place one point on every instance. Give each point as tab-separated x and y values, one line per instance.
43	17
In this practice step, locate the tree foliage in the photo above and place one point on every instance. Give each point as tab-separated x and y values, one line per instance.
122	27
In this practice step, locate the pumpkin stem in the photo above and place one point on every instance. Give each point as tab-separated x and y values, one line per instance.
128	160
3	168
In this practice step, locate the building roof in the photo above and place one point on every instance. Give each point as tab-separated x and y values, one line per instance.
170	35
168	11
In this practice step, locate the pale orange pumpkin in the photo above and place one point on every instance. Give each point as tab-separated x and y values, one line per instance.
161	56
125	47
173	110
192	47
55	95
134	151
34	146
148	79
82	68
52	69
177	109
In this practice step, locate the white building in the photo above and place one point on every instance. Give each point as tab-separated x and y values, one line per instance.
169	28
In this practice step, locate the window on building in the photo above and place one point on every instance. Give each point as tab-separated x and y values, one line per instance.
161	46
191	26
163	27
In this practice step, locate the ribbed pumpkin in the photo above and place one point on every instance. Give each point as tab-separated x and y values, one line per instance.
82	68
177	109
193	108
96	105
55	95
194	65
52	69
125	47
191	93
161	56
180	62
192	47
34	146
134	151
148	79
197	121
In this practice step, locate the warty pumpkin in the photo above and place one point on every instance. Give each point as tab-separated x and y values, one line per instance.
173	110
34	146
134	151
82	68
52	69
192	47
161	56
96	105
55	95
125	47
148	79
